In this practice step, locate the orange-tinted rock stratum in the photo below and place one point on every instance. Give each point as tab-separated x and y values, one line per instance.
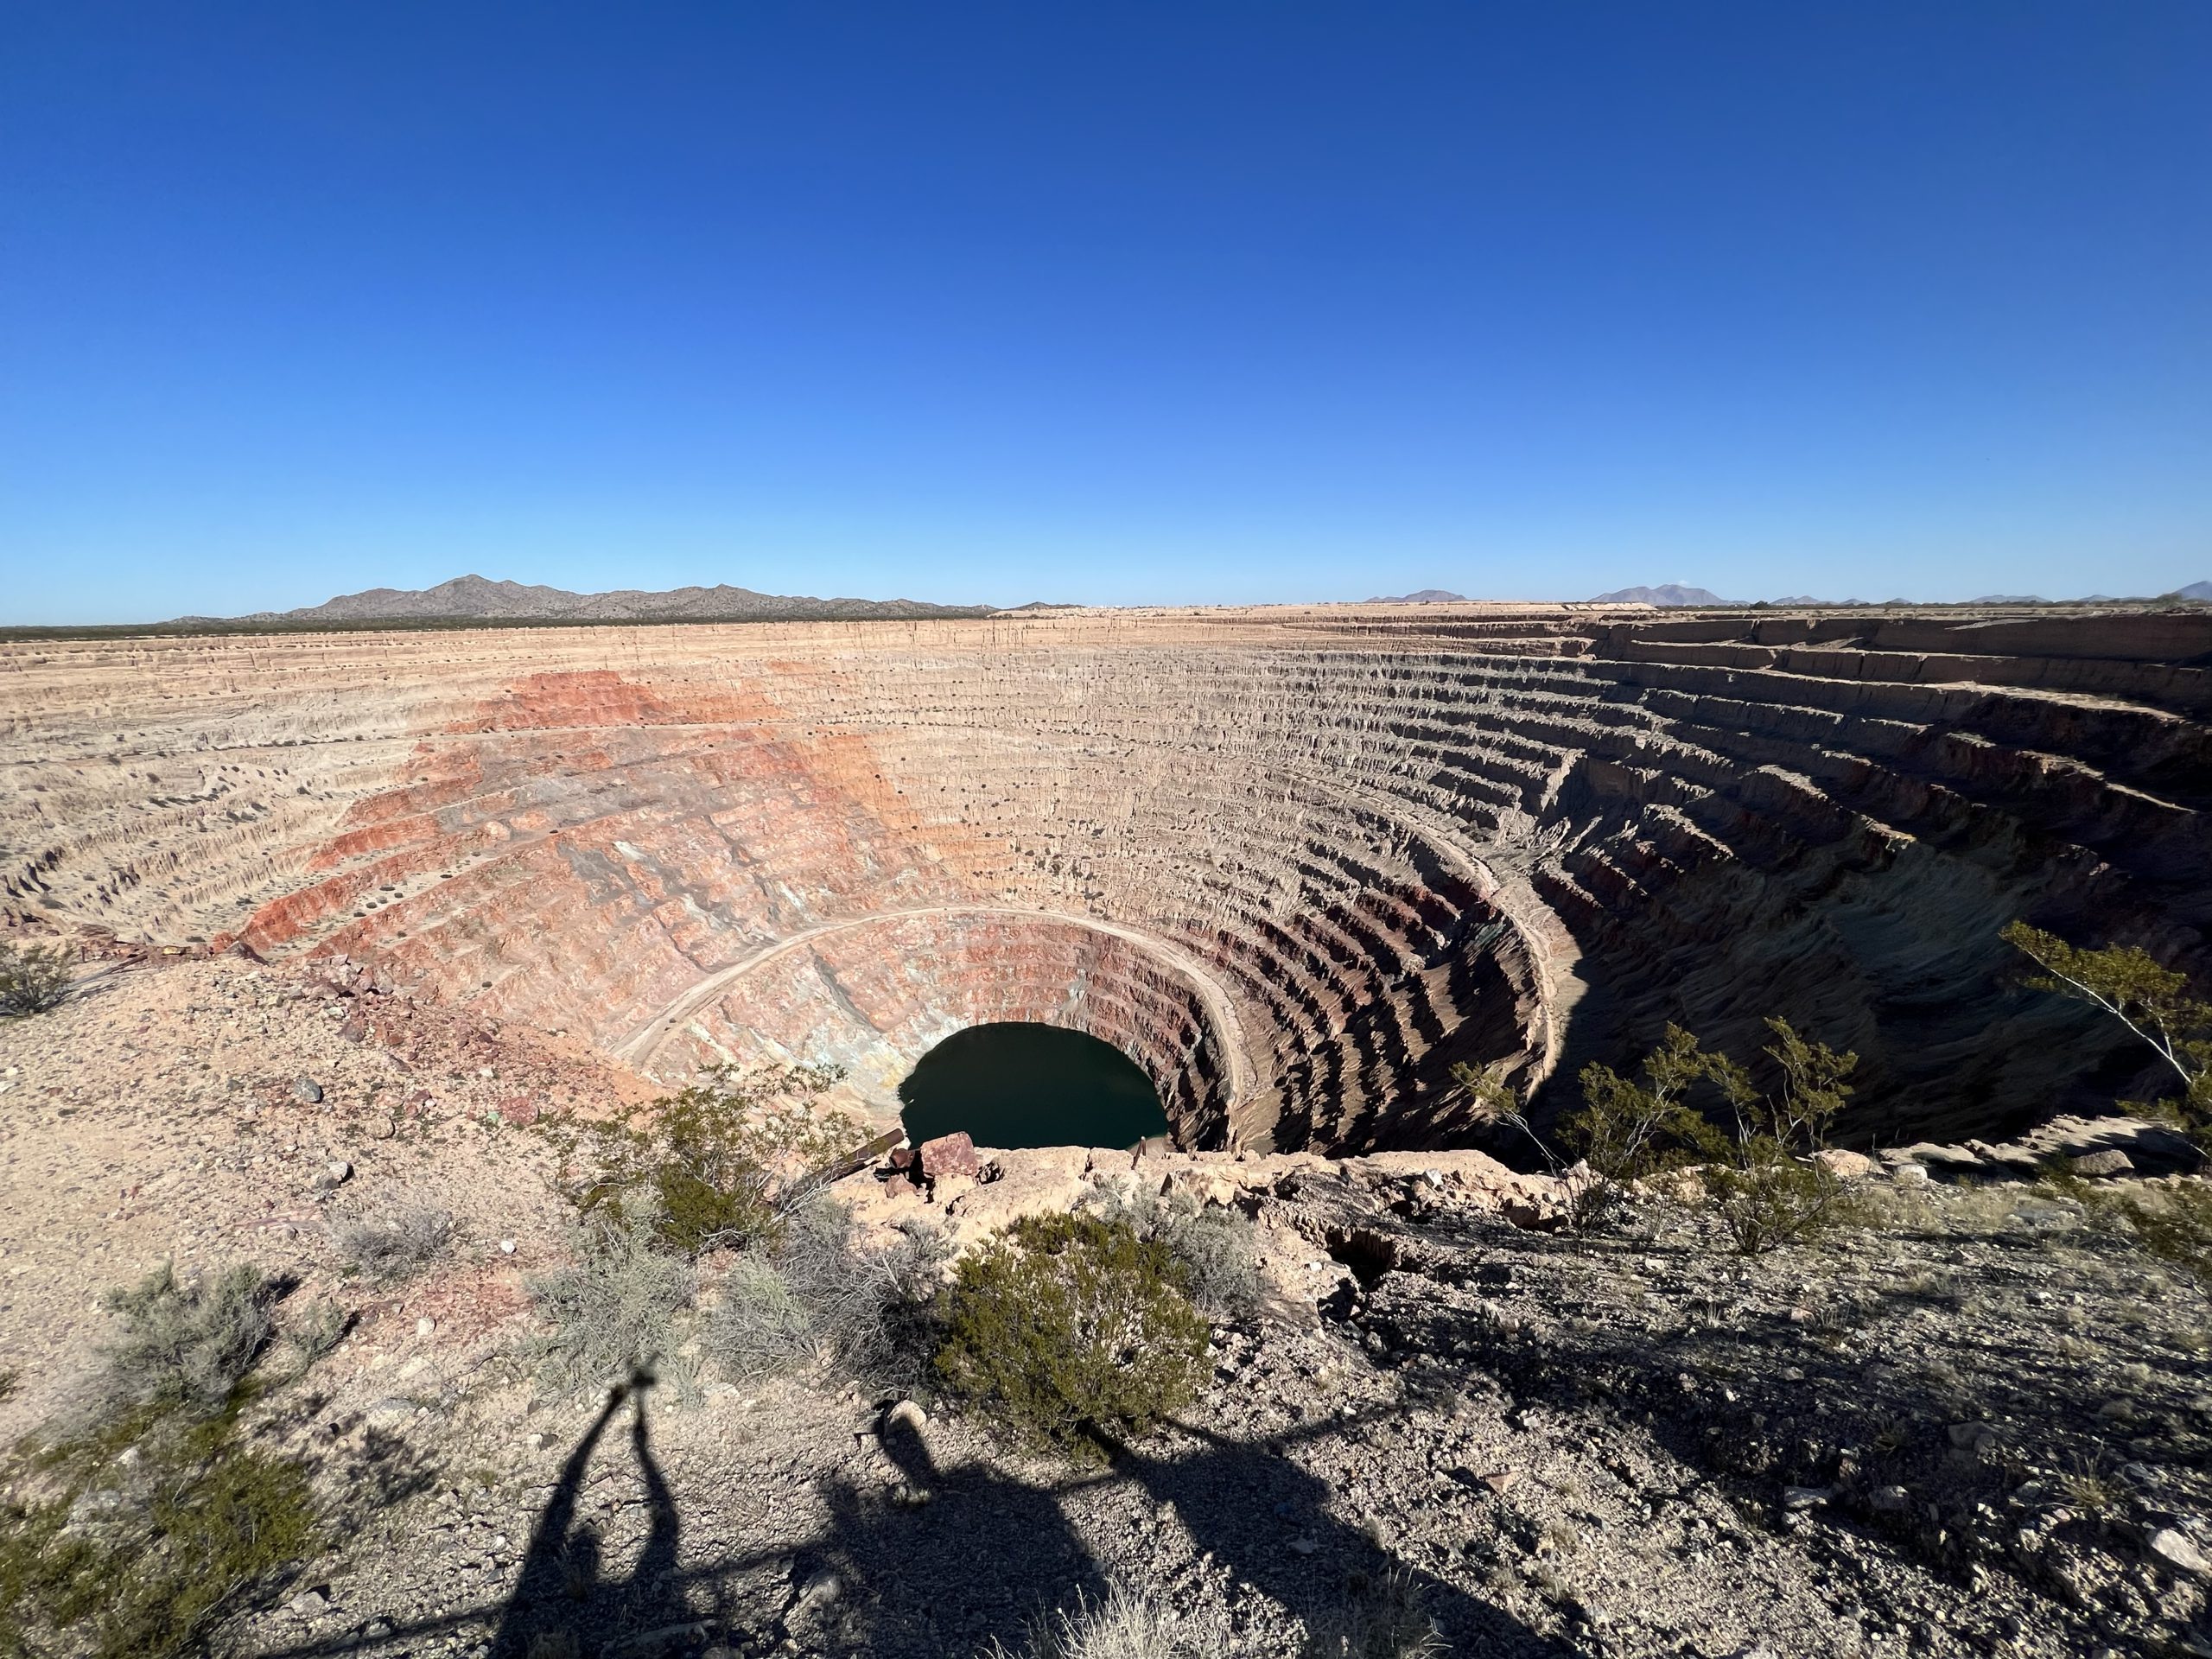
1295	862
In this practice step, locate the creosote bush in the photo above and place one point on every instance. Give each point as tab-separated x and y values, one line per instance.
33	977
717	1165
2154	1002
191	1531
1758	1175
2172	1222
1068	1328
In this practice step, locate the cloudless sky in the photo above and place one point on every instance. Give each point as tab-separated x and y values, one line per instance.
1119	303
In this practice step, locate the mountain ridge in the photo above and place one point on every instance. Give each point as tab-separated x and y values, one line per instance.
474	597
1666	594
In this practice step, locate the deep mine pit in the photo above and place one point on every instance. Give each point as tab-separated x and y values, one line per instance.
1296	865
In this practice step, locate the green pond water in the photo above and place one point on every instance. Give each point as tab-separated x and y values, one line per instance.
1024	1085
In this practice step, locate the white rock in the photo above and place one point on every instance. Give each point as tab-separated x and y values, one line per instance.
425	1326
2174	1548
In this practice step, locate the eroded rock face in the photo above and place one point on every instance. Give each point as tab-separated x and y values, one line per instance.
1295	862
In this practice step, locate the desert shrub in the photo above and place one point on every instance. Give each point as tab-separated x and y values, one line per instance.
719	1165
759	1327
157	1519
1217	1246
313	1337
396	1245
1067	1328
2154	1002
2172	1223
812	1296
1765	1198
1378	1619
1757	1179
33	977
202	1526
1628	1130
189	1346
1124	1624
614	1310
2175	1226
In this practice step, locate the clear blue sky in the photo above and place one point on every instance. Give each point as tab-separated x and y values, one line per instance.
1120	304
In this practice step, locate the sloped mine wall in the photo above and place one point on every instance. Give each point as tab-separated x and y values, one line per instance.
1295	862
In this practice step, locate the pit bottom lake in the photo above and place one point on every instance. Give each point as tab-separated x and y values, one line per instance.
1025	1085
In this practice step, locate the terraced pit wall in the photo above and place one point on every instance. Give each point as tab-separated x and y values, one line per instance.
1296	863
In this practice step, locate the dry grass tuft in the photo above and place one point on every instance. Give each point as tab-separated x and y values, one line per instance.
1124	1624
396	1245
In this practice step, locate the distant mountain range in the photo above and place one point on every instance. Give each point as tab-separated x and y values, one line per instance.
1671	592
1675	594
475	598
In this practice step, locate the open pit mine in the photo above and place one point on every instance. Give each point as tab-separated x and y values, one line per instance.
1296	863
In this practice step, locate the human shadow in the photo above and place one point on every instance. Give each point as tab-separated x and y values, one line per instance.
1267	1520
950	1561
558	1590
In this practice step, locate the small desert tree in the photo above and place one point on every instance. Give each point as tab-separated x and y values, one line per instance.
722	1164
1770	1189
2152	1001
1763	1184
1629	1129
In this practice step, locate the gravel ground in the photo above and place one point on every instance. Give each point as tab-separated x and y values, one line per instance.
1977	1424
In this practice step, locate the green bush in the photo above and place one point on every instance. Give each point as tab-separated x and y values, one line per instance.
2172	1224
1629	1131
1760	1179
199	1526
1765	1198
718	1166
156	1520
33	977
2155	1003
1068	1328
